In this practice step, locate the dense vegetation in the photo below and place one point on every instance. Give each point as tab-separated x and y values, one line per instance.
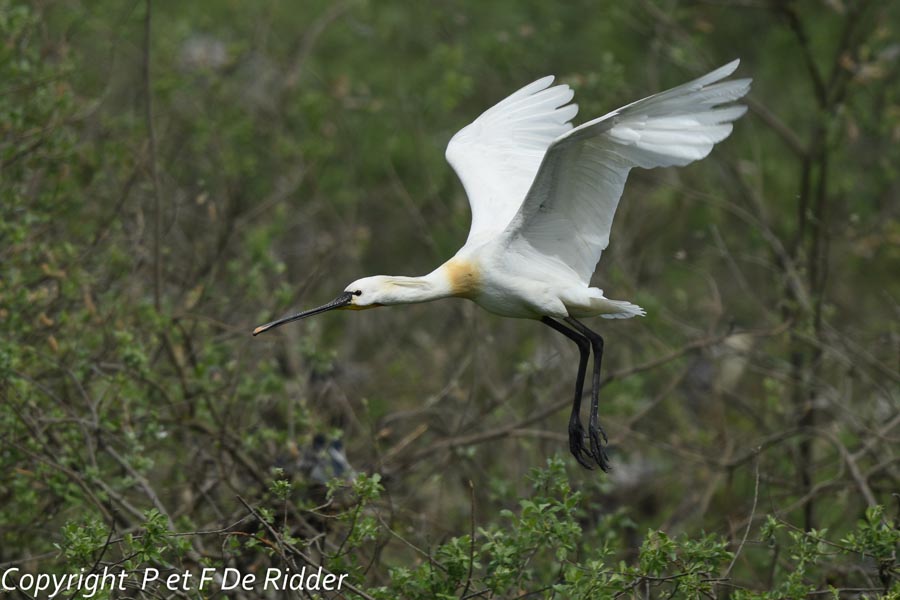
172	174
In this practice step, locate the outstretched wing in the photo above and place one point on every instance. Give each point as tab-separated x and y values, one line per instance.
497	156
569	209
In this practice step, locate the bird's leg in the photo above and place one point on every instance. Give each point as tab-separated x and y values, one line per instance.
595	430
576	429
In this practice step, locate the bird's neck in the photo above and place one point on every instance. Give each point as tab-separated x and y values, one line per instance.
410	290
454	278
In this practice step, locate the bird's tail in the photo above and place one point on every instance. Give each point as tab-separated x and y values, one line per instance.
614	309
595	304
620	309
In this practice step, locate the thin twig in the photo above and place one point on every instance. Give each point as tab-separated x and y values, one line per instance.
471	539
800	32
143	483
737	552
154	166
791	139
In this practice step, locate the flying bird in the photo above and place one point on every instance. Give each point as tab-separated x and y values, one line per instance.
543	195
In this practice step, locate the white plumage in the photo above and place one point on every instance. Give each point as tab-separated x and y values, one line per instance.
543	196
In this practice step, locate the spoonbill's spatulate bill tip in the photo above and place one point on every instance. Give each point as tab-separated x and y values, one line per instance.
543	195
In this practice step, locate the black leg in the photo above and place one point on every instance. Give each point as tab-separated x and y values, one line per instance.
576	429
595	430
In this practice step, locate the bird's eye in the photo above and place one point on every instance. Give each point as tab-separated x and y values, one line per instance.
357	293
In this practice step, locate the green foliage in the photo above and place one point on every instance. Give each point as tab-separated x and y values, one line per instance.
152	543
280	488
81	541
508	558
875	537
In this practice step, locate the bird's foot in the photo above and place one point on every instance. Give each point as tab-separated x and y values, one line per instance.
576	445
598	449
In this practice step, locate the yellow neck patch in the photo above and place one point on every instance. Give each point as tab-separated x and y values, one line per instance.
464	277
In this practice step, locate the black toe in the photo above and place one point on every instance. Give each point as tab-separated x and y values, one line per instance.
598	450
576	445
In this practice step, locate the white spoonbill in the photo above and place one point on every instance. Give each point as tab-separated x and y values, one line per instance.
543	195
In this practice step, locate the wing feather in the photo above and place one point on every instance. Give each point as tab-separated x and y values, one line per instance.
568	211
497	156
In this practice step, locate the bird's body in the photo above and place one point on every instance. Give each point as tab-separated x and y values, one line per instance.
505	283
543	195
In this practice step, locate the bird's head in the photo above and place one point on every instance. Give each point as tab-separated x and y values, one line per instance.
368	292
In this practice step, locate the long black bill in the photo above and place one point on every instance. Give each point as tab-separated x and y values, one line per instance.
342	300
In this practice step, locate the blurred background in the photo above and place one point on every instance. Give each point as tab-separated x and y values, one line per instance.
173	174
